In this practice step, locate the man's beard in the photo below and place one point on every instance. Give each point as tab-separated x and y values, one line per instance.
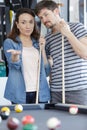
50	26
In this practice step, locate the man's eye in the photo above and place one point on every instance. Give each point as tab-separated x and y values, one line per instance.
31	22
46	14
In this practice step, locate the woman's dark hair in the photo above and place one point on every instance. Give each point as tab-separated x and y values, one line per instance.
49	4
15	31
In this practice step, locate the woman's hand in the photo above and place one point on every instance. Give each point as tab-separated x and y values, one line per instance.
15	54
42	43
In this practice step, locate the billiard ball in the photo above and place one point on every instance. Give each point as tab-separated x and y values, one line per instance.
53	123
4	112
13	123
73	109
18	108
3	109
30	127
28	120
4	115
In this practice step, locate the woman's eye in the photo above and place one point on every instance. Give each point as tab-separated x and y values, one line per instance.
23	22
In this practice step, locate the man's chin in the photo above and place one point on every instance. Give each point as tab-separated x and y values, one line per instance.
48	26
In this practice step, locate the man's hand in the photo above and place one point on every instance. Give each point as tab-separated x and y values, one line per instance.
64	27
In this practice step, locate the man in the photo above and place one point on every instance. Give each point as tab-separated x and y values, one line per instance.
75	54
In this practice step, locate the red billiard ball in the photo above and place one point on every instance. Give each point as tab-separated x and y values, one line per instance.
28	120
73	109
13	123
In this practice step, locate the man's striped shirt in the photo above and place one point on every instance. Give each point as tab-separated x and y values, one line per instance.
75	67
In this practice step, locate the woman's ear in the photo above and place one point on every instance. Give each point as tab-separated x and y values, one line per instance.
17	24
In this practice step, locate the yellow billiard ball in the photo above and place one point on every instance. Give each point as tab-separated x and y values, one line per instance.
18	108
5	109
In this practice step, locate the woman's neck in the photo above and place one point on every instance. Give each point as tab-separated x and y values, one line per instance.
26	41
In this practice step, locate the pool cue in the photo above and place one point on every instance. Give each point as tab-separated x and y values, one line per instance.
63	74
38	77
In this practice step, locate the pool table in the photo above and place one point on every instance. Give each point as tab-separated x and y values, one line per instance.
42	112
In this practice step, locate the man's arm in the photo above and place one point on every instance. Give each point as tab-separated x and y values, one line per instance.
78	45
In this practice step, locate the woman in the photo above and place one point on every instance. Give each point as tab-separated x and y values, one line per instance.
22	55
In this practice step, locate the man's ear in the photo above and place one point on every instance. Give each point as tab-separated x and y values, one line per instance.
56	11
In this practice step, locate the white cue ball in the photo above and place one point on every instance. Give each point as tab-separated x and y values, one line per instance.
53	123
73	109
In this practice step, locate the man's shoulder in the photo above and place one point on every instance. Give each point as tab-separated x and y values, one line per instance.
75	24
48	34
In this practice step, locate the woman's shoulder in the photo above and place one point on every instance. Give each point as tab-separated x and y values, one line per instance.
8	40
11	41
